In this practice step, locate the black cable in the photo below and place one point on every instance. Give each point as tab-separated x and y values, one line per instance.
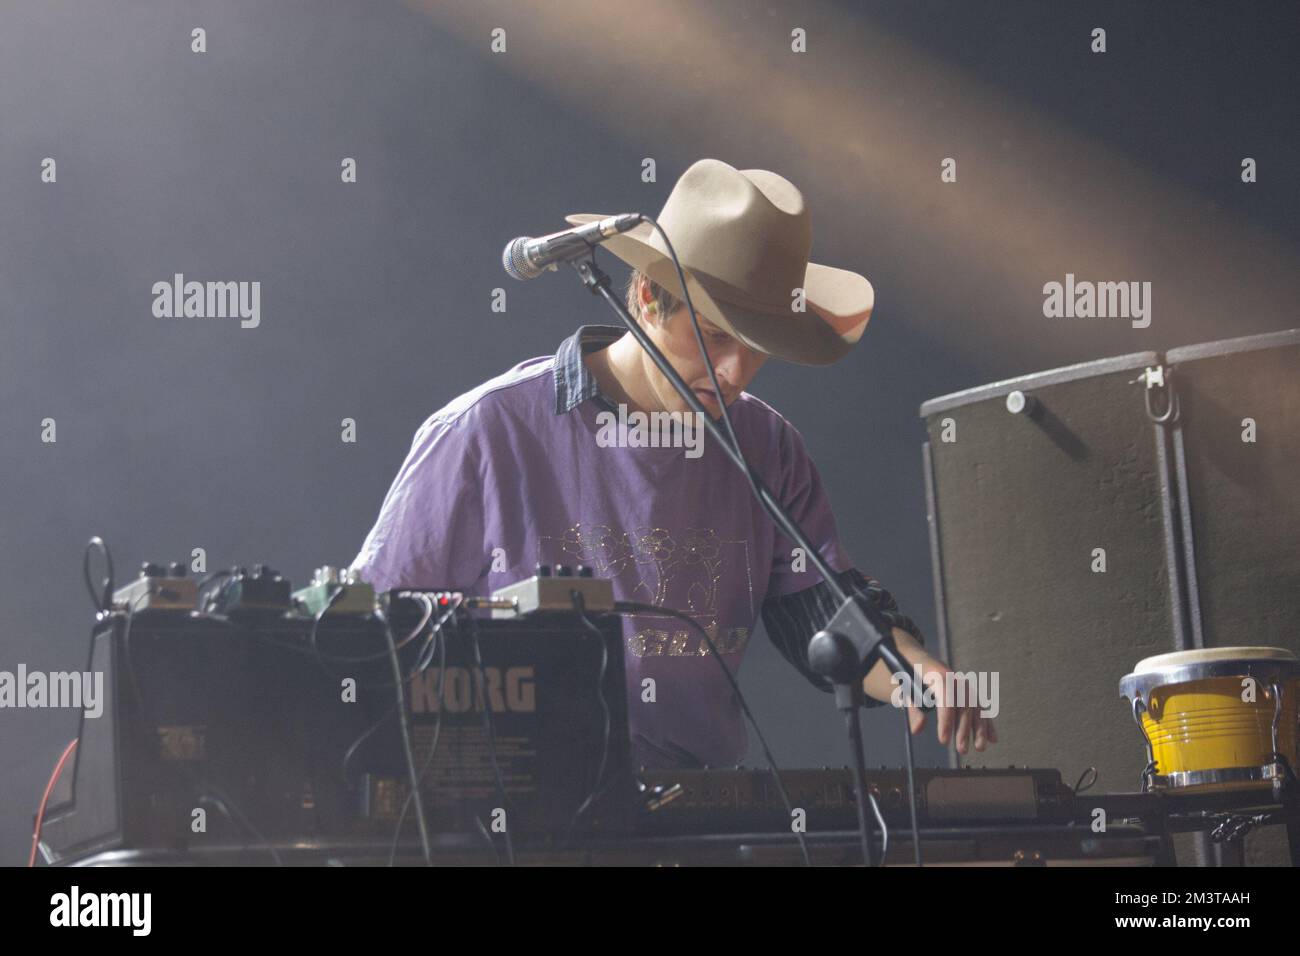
635	607
1078	784
426	655
911	785
580	608
861	790
496	851
315	627
492	740
458	757
909	760
420	666
352	748
231	811
364	658
103	598
884	828
298	648
406	736
321	657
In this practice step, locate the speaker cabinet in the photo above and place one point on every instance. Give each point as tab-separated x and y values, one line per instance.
1053	530
1084	518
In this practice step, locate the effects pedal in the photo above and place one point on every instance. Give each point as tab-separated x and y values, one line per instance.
262	592
552	594
358	599
158	589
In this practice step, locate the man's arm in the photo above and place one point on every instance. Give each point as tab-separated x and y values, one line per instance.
792	619
798	610
429	532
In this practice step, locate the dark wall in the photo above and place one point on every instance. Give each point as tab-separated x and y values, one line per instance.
180	434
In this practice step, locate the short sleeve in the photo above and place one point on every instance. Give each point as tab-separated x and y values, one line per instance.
799	488
429	532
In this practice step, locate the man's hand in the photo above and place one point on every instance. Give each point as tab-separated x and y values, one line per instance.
965	723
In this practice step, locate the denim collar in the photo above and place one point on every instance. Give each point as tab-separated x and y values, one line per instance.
574	382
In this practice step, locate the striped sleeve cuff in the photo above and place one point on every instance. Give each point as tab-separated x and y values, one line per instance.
792	619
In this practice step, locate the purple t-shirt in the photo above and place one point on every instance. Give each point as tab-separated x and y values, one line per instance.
498	468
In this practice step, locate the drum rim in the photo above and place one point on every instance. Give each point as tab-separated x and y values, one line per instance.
1180	779
1253	652
1142	683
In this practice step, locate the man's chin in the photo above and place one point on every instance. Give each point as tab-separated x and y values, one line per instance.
710	404
710	408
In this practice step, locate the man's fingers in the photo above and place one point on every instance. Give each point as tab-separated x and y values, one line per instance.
915	718
945	724
961	726
963	730
947	719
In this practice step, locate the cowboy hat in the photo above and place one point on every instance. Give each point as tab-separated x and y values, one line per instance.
743	238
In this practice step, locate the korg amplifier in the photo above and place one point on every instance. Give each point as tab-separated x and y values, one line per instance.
262	732
557	701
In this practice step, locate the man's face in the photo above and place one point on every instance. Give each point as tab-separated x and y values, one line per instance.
734	363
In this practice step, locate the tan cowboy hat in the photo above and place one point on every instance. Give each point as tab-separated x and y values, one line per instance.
743	238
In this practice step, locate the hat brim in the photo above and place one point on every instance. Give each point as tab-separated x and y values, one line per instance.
840	302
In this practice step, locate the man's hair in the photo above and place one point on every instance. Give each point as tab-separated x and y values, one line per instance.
668	303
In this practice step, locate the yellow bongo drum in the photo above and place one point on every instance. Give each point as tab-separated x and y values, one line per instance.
1220	718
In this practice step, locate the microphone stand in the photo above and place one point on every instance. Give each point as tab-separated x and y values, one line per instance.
851	643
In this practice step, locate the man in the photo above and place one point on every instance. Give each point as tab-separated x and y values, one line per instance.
530	468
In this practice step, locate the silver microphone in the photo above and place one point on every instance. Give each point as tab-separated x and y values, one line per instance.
527	258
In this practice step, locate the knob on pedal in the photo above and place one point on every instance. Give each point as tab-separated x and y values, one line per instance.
155	590
264	592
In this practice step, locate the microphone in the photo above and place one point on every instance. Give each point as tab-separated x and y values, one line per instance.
527	258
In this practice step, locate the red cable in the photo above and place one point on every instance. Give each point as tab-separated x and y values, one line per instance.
49	788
